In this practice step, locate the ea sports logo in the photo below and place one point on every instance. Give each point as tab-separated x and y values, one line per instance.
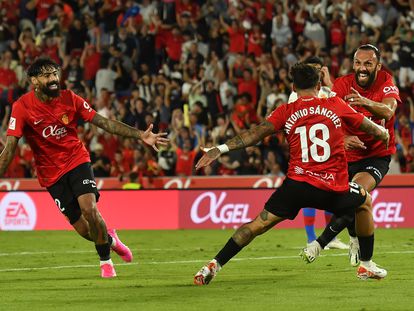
17	212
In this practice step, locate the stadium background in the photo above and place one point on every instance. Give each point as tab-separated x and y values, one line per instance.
202	70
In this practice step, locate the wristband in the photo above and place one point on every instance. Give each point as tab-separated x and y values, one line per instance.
223	148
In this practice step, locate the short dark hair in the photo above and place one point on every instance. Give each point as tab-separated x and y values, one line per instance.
313	60
304	76
370	47
39	65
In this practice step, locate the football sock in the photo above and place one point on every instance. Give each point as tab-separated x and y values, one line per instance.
103	251
227	252
366	247
111	241
335	226
351	228
309	218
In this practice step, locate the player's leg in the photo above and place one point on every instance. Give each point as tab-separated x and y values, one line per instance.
368	182
309	219
97	232
82	228
241	238
368	173
364	225
281	205
336	243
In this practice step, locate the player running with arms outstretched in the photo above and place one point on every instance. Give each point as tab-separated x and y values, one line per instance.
317	174
47	117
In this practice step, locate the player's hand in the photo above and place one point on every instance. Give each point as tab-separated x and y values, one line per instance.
355	98
353	142
153	139
326	77
209	156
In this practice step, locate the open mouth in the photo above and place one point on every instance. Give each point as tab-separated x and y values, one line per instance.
53	86
363	76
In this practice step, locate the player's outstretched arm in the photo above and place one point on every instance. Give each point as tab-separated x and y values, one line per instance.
245	139
122	129
378	132
7	154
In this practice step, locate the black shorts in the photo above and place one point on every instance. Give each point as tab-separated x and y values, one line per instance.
376	167
293	195
69	187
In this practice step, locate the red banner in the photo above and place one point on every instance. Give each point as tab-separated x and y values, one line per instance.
184	209
194	182
120	209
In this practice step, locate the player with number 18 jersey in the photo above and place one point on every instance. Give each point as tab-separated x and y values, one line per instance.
314	131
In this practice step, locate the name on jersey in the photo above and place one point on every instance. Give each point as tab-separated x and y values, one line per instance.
54	131
311	111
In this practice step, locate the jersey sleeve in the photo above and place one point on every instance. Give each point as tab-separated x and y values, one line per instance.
349	115
17	120
339	88
277	117
83	109
389	90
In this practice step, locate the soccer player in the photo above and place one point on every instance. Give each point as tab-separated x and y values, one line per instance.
317	174
47	117
310	213
371	91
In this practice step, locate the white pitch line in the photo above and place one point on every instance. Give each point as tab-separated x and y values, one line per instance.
184	262
134	250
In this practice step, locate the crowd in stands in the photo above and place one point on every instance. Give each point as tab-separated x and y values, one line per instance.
201	70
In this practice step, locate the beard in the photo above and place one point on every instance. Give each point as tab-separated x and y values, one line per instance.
51	89
365	83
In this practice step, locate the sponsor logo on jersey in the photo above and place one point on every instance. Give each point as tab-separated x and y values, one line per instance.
12	123
65	119
17	212
87	107
54	131
323	176
209	207
391	89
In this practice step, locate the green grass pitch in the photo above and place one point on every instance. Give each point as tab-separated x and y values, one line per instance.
57	270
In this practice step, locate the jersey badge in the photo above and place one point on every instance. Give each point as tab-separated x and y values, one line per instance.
65	119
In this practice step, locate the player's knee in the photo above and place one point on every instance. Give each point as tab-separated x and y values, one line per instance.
367	205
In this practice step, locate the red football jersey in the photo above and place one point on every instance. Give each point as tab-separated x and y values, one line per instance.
314	130
50	130
383	87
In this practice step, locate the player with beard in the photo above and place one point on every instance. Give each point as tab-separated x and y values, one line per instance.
371	91
317	175
47	117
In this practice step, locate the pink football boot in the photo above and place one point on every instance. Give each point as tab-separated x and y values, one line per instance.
120	248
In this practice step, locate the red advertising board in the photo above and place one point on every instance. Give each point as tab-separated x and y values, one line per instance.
120	209
184	209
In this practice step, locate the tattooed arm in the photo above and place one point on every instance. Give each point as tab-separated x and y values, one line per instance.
245	139
7	154
378	132
122	129
116	127
251	137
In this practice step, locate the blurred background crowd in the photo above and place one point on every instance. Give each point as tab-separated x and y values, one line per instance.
200	70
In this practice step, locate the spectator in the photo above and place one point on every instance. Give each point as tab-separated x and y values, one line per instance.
133	183
101	165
